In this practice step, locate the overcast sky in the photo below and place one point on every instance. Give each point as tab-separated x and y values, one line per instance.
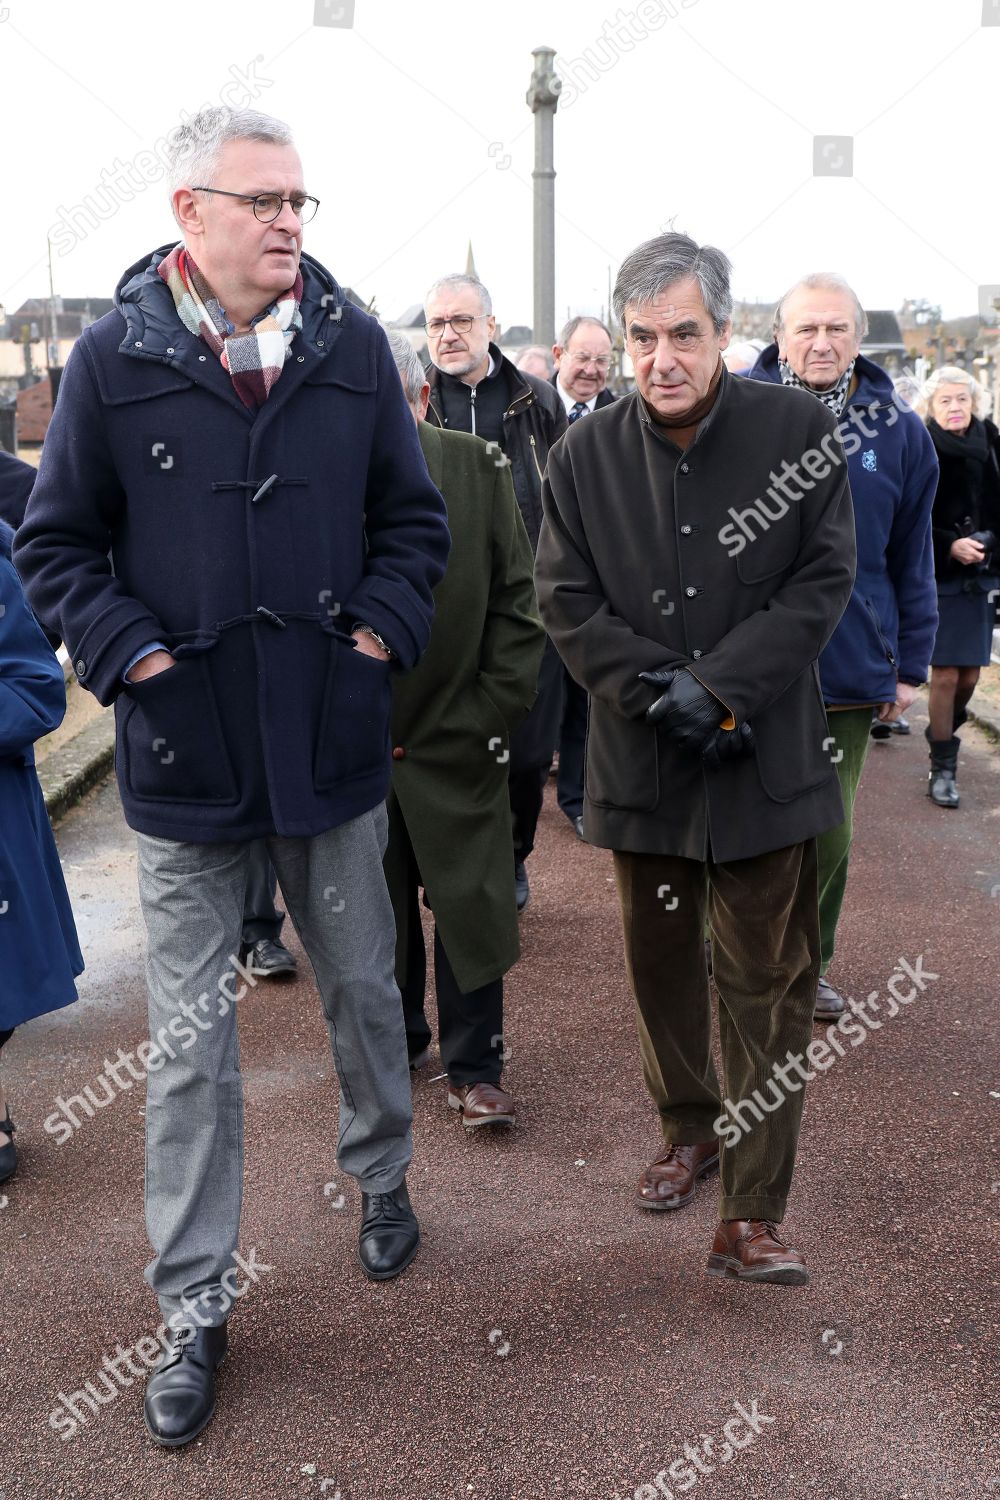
413	128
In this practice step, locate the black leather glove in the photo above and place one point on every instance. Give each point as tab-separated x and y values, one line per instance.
727	745
686	712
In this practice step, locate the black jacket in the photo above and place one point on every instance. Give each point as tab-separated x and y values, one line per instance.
534	418
956	512
633	573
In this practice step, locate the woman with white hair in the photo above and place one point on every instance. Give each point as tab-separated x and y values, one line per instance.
966	529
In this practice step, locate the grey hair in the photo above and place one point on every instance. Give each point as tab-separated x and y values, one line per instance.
460	279
194	148
955	375
672	257
570	328
833	282
540	352
411	371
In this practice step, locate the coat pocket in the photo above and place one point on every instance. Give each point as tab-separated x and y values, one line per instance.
353	737
621	766
171	740
793	741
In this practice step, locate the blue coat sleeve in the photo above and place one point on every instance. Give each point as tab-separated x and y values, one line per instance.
63	547
406	525
16	479
32	688
910	555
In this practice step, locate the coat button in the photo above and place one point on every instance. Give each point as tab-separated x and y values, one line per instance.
202	358
398	753
81	667
302	359
685	531
320	344
138	343
685	468
696	654
691	593
170	351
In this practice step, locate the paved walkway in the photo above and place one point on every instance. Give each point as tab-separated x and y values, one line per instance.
550	1340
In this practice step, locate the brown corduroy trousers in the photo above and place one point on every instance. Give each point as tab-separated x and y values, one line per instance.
764	919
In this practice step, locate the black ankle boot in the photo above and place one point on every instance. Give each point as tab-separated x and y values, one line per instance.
941	786
8	1152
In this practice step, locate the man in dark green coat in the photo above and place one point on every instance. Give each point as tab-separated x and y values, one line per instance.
449	816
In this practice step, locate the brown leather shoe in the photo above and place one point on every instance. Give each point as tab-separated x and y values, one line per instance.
669	1181
753	1250
481	1104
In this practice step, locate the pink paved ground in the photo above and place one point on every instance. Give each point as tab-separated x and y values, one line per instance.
551	1339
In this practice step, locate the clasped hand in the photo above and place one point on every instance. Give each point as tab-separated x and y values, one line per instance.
690	715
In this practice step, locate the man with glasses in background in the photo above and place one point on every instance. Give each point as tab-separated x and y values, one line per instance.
235	531
475	388
583	360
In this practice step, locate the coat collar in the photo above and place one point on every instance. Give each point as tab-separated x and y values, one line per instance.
153	331
430	442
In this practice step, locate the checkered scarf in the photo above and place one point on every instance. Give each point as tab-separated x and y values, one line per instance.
253	360
834	398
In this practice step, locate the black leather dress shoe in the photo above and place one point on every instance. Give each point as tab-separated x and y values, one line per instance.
522	889
270	959
389	1235
830	1003
8	1153
578	826
180	1393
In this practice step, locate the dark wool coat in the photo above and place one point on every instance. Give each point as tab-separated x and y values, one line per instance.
452	716
888	628
955	512
250	544
39	952
16	479
636	570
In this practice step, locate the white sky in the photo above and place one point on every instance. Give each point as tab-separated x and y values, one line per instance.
406	120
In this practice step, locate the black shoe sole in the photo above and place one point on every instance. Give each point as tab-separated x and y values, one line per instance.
667	1205
396	1270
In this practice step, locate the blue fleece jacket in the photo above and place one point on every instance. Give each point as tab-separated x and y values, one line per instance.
887	631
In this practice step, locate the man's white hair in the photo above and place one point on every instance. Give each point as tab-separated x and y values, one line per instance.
194	148
829	280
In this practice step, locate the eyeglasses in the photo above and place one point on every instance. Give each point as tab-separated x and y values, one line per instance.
580	361
436	327
267	206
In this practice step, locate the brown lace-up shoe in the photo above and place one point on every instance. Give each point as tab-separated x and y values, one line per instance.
669	1181
753	1250
481	1104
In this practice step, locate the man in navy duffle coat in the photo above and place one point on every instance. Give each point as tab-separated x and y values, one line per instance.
241	577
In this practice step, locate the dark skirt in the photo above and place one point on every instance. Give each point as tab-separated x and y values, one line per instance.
965	628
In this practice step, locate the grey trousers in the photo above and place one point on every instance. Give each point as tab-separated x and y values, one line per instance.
192	901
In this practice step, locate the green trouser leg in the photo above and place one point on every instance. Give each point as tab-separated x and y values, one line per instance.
765	930
850	734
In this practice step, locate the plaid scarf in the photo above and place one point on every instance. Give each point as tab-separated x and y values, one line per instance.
253	360
834	398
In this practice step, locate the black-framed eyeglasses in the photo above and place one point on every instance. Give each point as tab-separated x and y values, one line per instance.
436	327
267	206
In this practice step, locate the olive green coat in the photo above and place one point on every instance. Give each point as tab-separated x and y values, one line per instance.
452	715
